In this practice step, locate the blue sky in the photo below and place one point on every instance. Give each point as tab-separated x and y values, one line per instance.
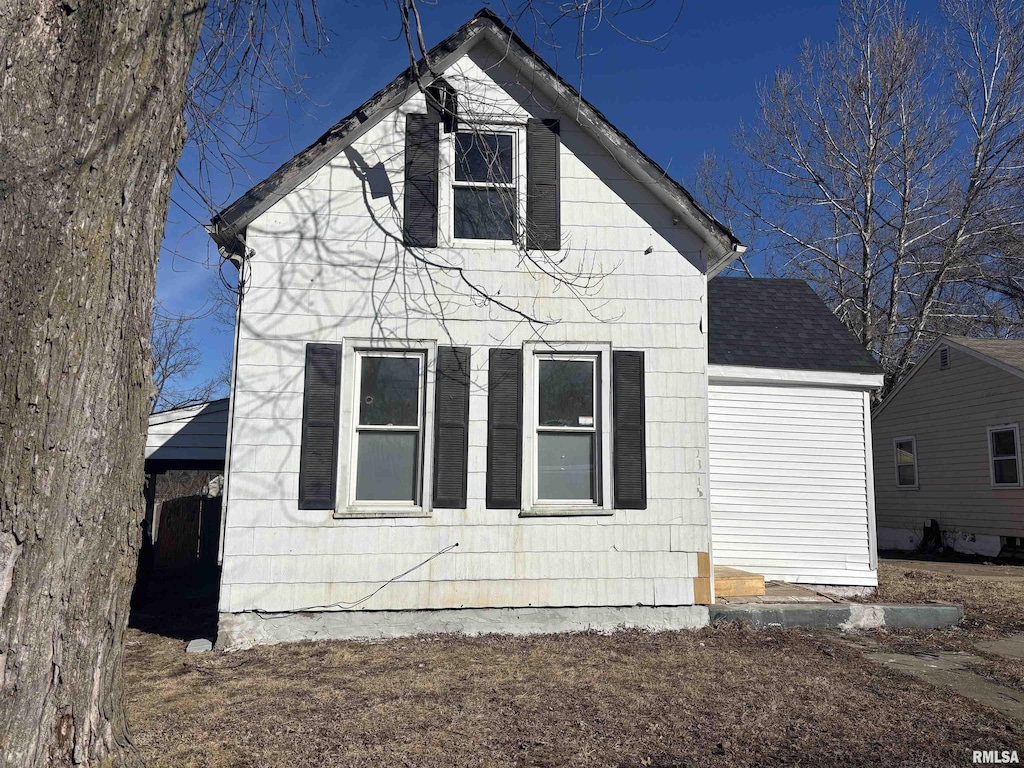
676	100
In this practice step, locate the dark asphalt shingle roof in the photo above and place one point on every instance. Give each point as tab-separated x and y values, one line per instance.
770	323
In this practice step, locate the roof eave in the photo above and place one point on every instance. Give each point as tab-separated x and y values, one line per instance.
723	246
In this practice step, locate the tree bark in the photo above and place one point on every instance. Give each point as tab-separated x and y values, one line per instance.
91	128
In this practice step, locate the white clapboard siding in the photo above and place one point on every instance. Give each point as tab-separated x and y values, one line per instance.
193	433
327	265
789	493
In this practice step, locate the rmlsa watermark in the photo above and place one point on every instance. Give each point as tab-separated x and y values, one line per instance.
995	756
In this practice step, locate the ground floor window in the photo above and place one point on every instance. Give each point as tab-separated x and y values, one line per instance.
1004	456
389	426
567	429
906	462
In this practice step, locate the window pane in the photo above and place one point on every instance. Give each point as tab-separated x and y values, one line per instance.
906	475
483	157
566	466
1003	443
566	393
386	468
485	214
1005	471
389	391
904	453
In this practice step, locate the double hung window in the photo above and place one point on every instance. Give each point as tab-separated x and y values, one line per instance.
389	427
568	434
905	449
485	195
1004	456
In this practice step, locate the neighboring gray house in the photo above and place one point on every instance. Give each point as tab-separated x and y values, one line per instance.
948	449
405	455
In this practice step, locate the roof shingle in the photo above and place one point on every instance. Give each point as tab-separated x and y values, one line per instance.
1007	351
772	323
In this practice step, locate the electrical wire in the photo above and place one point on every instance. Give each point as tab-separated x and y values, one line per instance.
341	605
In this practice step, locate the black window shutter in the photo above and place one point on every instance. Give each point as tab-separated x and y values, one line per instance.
421	153
629	453
505	429
543	219
443	105
318	457
451	430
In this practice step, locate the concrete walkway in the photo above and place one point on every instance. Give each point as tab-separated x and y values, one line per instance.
953	669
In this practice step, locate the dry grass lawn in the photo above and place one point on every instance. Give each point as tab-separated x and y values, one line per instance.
725	696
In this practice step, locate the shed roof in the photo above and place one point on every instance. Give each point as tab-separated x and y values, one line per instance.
187	437
1007	351
772	323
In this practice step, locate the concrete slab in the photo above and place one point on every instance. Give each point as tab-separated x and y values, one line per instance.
199	645
844	616
951	669
1009	647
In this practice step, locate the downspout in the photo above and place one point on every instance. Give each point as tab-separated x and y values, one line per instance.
239	256
706	333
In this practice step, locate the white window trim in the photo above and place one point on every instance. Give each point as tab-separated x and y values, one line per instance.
896	465
347	506
532	506
447	183
1015	428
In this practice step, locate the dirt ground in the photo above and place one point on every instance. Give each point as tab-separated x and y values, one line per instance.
724	696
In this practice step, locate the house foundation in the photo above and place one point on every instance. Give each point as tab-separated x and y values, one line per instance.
244	630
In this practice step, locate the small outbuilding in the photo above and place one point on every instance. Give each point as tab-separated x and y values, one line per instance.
789	426
948	450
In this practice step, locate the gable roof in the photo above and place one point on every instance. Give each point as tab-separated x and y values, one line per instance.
772	323
1006	351
1005	354
232	221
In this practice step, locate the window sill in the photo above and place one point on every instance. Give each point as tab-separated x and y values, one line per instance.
553	511
908	487
1016	487
473	243
355	513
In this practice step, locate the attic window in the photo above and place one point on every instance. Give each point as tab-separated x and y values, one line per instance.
943	358
484	189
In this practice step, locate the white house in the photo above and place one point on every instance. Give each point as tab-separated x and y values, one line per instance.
948	449
471	377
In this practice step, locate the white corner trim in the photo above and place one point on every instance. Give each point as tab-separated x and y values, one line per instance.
748	374
869	463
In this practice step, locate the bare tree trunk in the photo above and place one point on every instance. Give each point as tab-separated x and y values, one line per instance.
91	100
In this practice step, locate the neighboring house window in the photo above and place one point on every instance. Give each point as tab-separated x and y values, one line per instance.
484	190
389	425
568	431
905	449
1004	456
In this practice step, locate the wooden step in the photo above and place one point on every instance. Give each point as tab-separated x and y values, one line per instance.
732	582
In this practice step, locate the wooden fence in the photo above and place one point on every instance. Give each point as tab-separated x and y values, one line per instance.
187	533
